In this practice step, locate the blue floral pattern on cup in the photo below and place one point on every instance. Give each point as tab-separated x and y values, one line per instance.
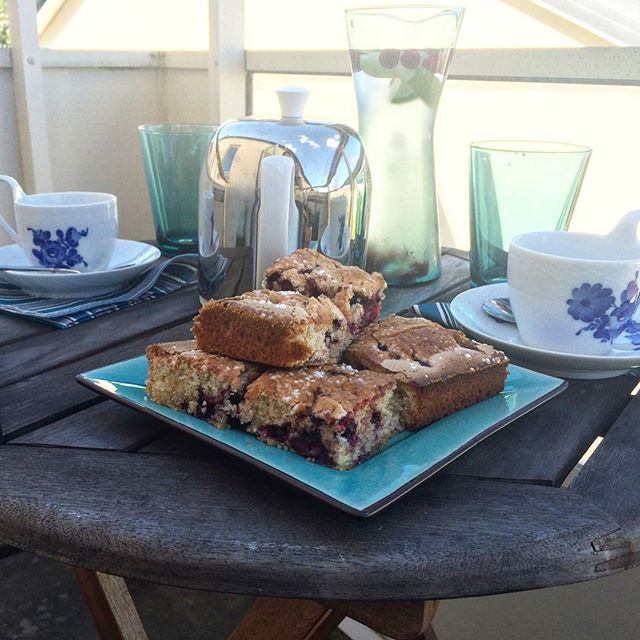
61	252
596	305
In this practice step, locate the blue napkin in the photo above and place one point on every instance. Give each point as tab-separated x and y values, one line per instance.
436	311
162	279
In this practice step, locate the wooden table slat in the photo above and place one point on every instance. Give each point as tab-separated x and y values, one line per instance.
173	442
44	353
455	272
104	426
611	477
16	329
544	445
220	524
458	253
53	394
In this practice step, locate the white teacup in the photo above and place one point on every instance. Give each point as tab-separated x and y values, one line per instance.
68	229
575	292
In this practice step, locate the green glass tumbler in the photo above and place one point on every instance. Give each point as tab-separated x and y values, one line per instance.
518	186
174	155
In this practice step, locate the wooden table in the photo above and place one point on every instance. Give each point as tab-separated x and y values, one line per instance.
112	492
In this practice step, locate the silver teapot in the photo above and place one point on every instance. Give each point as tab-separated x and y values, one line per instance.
269	187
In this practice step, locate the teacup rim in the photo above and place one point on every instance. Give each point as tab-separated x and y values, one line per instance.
520	145
595	261
366	9
176	128
100	198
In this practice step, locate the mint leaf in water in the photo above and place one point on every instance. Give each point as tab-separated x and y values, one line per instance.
426	86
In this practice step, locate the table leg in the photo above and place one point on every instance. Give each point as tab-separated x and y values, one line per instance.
284	619
110	605
429	634
398	620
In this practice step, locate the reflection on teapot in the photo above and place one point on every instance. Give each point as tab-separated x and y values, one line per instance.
269	187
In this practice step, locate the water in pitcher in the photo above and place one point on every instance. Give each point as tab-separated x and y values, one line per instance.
398	93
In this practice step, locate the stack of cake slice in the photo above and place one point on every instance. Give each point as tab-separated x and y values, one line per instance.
438	371
355	292
281	329
272	361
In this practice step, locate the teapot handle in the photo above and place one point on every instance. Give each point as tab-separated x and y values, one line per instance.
16	191
277	220
625	233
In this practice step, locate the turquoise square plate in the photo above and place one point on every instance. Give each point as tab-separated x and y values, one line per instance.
408	459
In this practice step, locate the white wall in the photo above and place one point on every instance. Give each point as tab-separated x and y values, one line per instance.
92	117
9	150
275	24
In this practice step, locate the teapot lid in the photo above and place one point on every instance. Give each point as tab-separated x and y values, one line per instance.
292	100
324	152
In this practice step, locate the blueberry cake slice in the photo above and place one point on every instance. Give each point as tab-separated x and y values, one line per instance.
438	370
355	292
332	415
282	329
204	385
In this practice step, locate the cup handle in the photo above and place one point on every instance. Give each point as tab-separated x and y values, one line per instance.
625	233
16	191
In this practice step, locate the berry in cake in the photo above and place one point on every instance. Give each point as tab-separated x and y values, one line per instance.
282	329
355	292
204	385
332	415
438	370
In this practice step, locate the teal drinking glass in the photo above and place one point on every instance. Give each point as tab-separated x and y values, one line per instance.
173	158
516	187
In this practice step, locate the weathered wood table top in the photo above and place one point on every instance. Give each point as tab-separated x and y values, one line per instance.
89	482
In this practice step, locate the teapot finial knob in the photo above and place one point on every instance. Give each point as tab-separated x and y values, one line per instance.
292	102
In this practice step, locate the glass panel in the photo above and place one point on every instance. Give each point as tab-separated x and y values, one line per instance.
292	24
332	97
600	117
125	25
296	24
596	116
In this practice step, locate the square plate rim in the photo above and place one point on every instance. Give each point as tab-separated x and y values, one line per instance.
369	510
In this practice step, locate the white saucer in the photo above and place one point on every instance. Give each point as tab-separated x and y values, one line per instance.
79	285
466	308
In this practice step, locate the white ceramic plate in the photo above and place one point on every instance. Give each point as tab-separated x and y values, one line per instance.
466	308
80	285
